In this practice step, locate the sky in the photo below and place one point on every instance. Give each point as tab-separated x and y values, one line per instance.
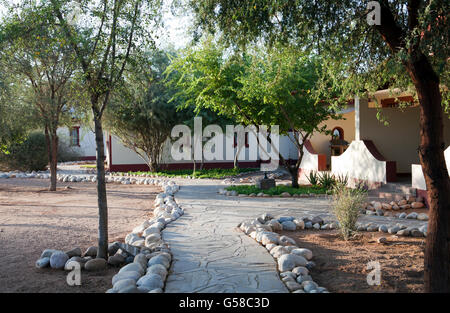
175	26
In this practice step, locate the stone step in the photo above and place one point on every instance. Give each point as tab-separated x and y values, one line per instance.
395	188
391	195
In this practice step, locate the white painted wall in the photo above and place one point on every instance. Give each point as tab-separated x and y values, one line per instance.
87	146
358	163
418	179
399	140
310	161
121	155
321	142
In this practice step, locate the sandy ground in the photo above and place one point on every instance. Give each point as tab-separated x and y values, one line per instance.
33	219
341	266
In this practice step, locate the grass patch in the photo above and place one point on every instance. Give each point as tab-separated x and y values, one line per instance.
89	166
205	173
278	190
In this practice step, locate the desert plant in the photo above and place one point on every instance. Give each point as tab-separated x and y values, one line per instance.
346	205
327	180
313	178
342	179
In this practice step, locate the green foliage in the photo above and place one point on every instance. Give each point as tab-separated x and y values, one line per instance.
346	205
141	113
215	173
355	56
29	155
313	178
341	179
278	190
255	87
16	114
66	152
327	180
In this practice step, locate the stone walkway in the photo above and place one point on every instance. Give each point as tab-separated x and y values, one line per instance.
211	255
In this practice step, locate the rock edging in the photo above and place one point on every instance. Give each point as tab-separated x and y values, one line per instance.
149	270
146	255
294	263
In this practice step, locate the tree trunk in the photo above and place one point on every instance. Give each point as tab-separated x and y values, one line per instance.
54	160
52	151
102	251
293	170
431	153
236	161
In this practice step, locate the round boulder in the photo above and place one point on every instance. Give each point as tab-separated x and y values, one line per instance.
126	275
150	281
43	262
306	253
58	260
159	270
95	265
289	225
287	262
74	252
91	251
136	267
159	259
116	260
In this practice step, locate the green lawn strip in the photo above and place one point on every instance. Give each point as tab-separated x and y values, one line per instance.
278	190
205	173
89	166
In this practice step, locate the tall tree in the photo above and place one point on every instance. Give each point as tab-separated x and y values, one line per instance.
141	113
33	49
408	47
258	87
16	112
115	30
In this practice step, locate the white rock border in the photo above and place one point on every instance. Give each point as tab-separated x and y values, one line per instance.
294	263
152	258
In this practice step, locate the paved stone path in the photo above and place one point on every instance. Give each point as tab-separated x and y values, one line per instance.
211	255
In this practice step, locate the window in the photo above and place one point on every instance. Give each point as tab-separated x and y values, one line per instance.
246	140
337	133
75	136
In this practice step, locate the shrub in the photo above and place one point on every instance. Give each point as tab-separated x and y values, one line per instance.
28	155
342	179
313	178
66	152
327	180
346	205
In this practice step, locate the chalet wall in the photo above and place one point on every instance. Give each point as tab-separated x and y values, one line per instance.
400	139
321	142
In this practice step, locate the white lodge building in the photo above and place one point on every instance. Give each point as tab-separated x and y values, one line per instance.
370	151
361	146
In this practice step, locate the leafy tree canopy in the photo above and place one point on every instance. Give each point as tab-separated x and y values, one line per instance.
355	56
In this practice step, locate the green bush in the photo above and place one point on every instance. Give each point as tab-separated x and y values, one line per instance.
278	190
66	152
327	180
342	179
346	205
215	173
313	178
28	155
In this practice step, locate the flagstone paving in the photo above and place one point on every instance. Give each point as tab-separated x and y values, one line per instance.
211	255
